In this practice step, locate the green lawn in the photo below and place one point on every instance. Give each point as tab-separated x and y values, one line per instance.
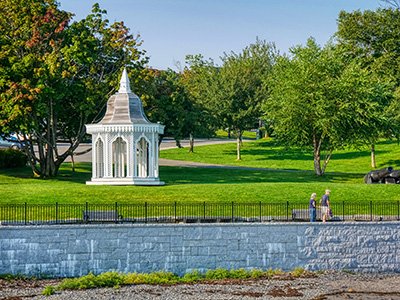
219	185
265	153
191	185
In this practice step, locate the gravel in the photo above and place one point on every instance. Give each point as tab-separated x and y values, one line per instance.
329	285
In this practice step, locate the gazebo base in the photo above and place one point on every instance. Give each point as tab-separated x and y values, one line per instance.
125	181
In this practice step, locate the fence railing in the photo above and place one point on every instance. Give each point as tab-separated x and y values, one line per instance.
36	214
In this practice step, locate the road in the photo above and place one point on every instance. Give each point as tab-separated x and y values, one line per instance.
167	143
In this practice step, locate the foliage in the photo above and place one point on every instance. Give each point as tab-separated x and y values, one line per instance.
322	102
12	158
372	37
13	277
49	290
234	92
297	272
114	279
168	102
51	70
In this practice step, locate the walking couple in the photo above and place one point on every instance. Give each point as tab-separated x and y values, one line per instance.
325	206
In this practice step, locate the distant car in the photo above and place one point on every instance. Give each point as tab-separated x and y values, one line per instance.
11	142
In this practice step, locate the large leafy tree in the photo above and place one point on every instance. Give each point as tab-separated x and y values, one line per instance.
372	37
57	76
321	101
167	101
234	92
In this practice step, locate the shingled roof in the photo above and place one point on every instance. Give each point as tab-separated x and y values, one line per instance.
124	107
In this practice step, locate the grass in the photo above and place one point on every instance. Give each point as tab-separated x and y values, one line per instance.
248	134
265	153
183	185
190	185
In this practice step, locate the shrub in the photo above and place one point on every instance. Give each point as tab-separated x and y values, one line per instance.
49	290
11	158
194	276
297	272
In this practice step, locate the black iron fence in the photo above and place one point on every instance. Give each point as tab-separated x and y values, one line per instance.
36	214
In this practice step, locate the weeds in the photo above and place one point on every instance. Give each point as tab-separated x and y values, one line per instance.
49	290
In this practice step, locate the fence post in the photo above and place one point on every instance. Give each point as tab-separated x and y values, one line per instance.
232	211
175	211
116	212
260	212
56	212
87	209
204	211
287	210
25	211
343	211
370	204
145	212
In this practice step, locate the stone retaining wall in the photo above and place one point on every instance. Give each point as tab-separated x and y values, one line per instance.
74	250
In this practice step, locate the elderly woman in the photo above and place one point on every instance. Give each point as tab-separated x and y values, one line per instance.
312	207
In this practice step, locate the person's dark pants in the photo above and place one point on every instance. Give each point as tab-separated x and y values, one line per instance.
313	213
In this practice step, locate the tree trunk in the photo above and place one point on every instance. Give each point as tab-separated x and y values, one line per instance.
317	163
72	162
191	143
317	155
178	143
238	144
373	165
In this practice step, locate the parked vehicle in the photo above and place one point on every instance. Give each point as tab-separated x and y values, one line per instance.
10	142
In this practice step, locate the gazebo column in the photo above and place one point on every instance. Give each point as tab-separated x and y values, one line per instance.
151	156
94	157
156	150
129	156
107	157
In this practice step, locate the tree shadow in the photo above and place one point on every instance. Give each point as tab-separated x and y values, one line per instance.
201	175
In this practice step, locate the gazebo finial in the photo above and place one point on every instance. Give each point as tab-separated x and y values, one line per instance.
124	86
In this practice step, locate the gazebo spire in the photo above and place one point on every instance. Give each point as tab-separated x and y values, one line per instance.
124	86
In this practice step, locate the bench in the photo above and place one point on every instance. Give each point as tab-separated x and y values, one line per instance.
101	216
304	214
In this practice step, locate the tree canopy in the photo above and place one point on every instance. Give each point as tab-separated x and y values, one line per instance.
234	92
56	76
321	101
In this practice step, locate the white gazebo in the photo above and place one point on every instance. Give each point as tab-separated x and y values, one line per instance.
124	142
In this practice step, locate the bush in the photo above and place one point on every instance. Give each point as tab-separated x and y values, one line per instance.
11	158
49	290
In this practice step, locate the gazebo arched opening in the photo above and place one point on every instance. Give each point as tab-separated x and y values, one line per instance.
99	148
119	158
142	158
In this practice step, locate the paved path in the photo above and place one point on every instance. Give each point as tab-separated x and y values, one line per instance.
169	143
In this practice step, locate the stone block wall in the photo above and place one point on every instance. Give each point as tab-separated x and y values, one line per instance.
74	250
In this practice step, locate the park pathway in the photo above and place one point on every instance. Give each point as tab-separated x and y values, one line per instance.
169	143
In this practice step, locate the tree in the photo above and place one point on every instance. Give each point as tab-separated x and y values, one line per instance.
322	102
167	101
393	3
57	77
372	37
234	92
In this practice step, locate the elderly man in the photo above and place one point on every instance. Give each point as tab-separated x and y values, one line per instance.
325	205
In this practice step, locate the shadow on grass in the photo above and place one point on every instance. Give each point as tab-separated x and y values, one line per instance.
180	175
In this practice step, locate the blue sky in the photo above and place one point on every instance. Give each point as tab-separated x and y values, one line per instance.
171	29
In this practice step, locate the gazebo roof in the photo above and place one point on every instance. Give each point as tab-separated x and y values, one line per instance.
124	107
